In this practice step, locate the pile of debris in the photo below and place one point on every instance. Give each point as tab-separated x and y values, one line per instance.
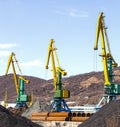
107	116
38	106
8	119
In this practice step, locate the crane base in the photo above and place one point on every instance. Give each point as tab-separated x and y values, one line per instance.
59	105
105	99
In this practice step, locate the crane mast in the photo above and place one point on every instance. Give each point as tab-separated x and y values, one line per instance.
58	103
111	89
19	81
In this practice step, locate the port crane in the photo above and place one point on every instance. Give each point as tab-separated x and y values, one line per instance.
111	89
5	98
58	104
19	81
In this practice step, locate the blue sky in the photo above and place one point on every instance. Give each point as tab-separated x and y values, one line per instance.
26	27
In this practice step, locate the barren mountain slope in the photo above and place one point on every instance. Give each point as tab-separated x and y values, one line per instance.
85	88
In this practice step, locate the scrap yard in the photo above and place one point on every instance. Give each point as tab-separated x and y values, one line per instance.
82	100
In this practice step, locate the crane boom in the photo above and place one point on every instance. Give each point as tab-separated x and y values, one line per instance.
101	31
51	53
11	61
51	48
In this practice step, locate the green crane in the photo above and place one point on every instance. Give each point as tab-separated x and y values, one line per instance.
58	103
111	89
19	81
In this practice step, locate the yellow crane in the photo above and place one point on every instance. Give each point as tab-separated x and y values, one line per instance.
32	99
5	98
111	89
58	103
22	98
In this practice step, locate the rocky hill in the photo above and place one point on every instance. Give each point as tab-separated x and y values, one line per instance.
85	88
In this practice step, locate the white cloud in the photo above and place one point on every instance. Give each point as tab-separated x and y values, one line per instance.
4	53
73	13
77	13
32	63
7	46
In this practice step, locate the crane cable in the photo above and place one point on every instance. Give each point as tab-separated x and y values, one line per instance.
95	60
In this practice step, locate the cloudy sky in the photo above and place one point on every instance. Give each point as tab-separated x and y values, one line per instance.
26	27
